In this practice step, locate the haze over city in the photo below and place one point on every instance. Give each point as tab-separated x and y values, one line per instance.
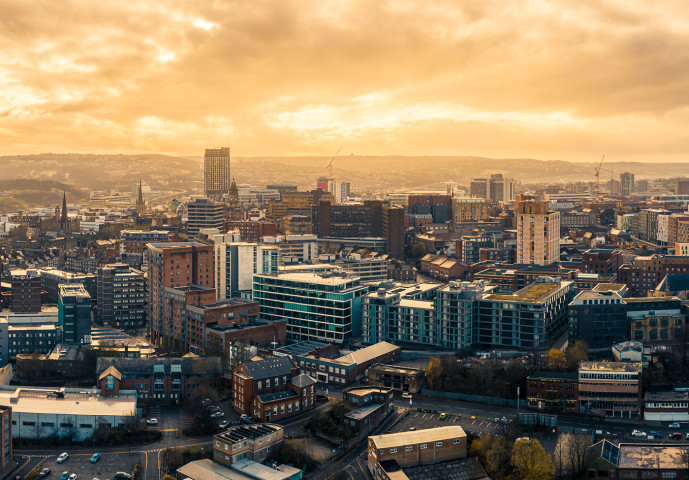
540	79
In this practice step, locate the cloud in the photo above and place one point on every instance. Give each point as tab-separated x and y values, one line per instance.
530	77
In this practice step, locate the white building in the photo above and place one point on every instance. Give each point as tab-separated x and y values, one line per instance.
295	248
41	412
237	262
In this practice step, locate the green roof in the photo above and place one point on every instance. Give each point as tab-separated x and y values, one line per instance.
532	293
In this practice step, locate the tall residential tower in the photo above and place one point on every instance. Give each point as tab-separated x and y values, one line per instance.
216	172
538	232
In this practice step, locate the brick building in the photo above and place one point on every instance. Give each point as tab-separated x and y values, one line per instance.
25	286
251	231
365	407
610	389
400	379
253	442
298	397
172	379
553	391
259	378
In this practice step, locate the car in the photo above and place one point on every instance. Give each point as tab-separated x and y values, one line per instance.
673	425
152	421
638	433
246	418
64	476
63	456
72	477
443	416
406	395
224	424
687	436
122	476
218	414
654	434
473	417
411	429
675	436
44	473
95	457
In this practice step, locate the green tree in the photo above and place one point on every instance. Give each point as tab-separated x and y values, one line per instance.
530	461
434	373
418	250
557	359
576	353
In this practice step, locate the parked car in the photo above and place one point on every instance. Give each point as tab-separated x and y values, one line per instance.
44	473
675	436
674	425
152	421
224	424
638	433
63	456
72	477
122	476
218	414
654	434
95	457
687	436
406	395
443	416
64	476
246	418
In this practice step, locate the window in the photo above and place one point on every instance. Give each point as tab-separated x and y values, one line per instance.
408	449
268	383
110	382
85	425
455	441
393	450
260	384
438	444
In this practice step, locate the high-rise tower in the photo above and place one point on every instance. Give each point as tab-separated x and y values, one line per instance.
216	172
538	232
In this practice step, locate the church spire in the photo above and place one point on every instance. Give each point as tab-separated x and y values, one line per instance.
140	203
63	213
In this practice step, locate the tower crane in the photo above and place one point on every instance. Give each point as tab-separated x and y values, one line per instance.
600	165
330	164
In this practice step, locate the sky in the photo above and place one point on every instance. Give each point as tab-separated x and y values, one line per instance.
548	79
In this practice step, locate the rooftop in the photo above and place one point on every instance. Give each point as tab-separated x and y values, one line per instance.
303	348
271	397
611	366
418	436
363	412
247	432
609	287
629	346
270	367
554	375
667	396
652	457
329	278
369	353
464	469
75	402
535	292
145	365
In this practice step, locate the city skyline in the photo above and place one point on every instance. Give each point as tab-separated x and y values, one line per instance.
539	79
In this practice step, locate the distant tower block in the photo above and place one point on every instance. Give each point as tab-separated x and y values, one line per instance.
216	172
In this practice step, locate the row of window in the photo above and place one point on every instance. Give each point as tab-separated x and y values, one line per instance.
422	446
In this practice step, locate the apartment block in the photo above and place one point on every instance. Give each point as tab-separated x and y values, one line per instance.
25	287
74	313
237	262
121	293
467	209
134	241
203	213
538	232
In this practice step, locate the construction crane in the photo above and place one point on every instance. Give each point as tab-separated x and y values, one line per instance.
600	165
330	164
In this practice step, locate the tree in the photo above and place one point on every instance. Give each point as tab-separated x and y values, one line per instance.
575	354
530	461
418	250
578	453
434	373
494	454
556	359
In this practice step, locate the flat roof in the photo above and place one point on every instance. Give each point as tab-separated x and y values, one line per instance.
611	366
363	412
36	400
369	353
535	292
336	278
242	432
652	457
418	436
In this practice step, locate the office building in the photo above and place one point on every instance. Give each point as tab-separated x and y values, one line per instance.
134	241
480	188
252	231
121	296
421	447
175	265
317	307
74	313
25	286
366	407
253	442
501	189
216	172
237	262
538	232
438	206
157	379
599	318
610	389
398	378
203	213
6	439
626	184
682	187
52	278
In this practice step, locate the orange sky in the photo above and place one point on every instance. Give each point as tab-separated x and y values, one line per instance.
546	79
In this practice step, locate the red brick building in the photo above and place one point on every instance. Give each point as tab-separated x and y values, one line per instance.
171	379
553	391
251	231
299	397
255	332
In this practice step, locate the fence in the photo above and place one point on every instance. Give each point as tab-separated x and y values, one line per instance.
505	402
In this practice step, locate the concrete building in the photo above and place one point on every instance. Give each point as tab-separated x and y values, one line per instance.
52	278
365	407
501	189
216	172
610	389
626	184
66	412
121	296
422	447
538	232
206	469
667	406
74	313
480	187
599	318
6	438
203	213
252	231
317	307
236	263
398	378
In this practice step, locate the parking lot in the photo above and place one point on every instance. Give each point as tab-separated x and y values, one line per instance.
106	467
421	420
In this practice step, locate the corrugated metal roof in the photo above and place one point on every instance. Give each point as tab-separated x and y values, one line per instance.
418	436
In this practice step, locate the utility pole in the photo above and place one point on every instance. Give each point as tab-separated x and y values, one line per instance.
517	405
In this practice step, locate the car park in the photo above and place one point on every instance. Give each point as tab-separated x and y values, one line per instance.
95	457
63	456
44	473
